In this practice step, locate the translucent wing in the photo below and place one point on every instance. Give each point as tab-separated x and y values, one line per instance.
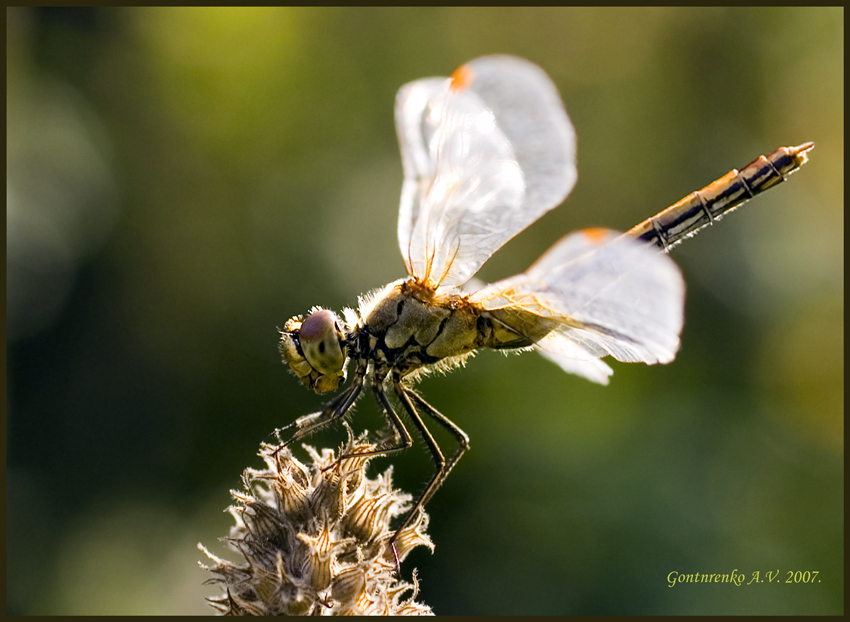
606	294
572	358
485	153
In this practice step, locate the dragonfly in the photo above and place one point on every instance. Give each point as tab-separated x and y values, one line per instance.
486	152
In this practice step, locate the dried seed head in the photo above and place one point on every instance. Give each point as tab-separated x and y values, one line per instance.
315	539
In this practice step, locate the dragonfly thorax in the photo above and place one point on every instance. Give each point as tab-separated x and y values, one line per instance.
408	327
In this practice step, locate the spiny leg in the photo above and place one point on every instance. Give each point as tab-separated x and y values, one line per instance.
407	397
402	437
448	424
337	408
400	434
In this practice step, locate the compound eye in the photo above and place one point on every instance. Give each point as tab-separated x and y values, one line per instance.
320	339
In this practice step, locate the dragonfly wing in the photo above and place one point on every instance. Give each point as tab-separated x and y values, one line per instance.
572	358
415	126
485	153
609	294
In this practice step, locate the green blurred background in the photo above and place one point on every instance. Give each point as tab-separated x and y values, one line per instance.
181	181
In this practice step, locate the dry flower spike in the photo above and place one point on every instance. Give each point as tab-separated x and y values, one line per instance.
315	539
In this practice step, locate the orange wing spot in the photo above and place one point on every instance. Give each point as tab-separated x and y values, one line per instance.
596	235
462	78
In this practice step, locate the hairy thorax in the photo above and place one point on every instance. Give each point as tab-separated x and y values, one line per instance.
409	327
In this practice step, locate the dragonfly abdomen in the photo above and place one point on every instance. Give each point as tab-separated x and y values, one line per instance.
701	208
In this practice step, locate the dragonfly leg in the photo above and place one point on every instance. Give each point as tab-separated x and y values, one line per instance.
407	397
448	424
400	440
337	408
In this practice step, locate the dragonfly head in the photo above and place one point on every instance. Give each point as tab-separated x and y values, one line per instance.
314	348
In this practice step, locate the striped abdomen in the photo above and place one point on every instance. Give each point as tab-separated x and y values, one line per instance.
701	208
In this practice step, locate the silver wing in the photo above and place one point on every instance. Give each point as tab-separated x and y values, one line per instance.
607	293
485	153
